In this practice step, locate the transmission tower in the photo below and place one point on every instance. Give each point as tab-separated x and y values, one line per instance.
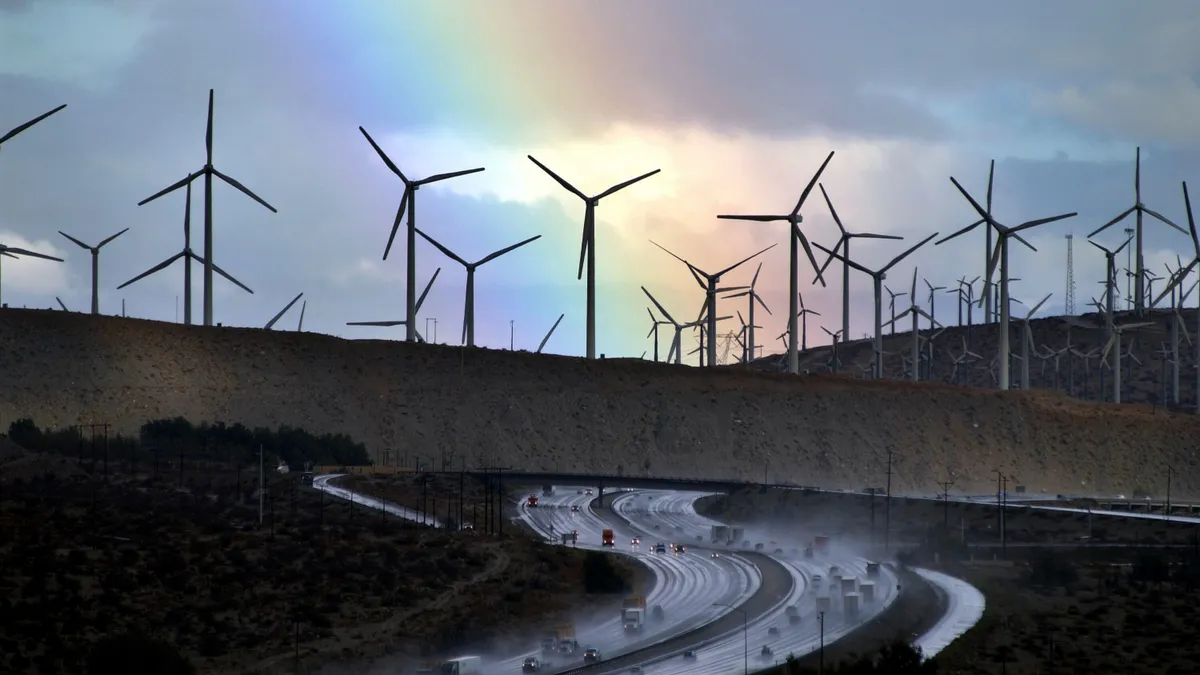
1070	275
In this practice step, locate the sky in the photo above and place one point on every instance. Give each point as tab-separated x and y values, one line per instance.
736	103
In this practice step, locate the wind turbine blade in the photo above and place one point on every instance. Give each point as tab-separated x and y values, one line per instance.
755	279
208	129
812	260
904	255
171	188
21	251
735	295
913	291
1114	221
300	326
991	270
1161	218
222	272
828	259
6	254
1176	280
1123	244
159	267
1107	346
758	298
466	319
622	186
271	323
78	243
60	304
1027	244
1037	307
851	263
1106	251
101	244
383	155
974	204
738	264
570	188
30	123
589	221
449	254
396	223
1042	221
551	332
962	231
244	190
421	300
502	251
757	219
444	176
808	188
871	235
660	307
832	211
1187	202
374	323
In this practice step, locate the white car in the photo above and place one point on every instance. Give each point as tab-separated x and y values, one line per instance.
714	554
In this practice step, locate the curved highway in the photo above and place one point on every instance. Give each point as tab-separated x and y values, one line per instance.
964	609
672	515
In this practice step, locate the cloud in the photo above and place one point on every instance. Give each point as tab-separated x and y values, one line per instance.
1165	111
41	278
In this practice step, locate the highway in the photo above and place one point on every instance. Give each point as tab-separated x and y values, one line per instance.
671	516
964	609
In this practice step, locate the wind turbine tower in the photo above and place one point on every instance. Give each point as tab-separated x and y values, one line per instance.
1070	302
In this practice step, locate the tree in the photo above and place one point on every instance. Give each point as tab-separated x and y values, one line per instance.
136	654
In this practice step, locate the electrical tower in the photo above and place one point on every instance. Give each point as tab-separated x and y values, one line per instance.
1070	275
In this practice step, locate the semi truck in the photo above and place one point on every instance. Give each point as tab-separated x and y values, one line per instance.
633	613
736	534
553	640
607	538
547	490
821	543
720	534
463	665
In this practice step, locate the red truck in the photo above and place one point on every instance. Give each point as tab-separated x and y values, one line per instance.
607	538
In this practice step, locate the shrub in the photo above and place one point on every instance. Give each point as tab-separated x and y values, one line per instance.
601	576
136	654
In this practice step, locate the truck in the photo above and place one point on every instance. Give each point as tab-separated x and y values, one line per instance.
463	665
872	570
607	538
736	534
567	644
547	490
720	534
552	639
821	543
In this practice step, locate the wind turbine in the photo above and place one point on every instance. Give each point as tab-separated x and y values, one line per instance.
932	298
1115	340
804	312
892	307
843	245
188	256
877	277
551	332
408	202
277	317
95	250
1187	202
403	322
797	236
13	252
1110	282
916	312
208	171
1027	341
752	296
12	133
709	284
655	323
1000	258
1138	209
468	335
588	247
676	341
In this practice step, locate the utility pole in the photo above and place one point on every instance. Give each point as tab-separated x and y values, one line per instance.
261	484
946	502
887	509
821	653
1167	511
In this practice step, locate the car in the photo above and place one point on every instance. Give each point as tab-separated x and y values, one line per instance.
689	654
635	669
579	492
591	655
531	665
587	491
714	554
574	507
660	549
680	548
637	540
778	551
773	631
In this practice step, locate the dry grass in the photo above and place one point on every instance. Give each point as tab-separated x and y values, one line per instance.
552	413
83	559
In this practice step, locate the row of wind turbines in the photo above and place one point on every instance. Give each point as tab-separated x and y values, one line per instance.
994	298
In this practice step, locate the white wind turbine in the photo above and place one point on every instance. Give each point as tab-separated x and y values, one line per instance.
710	285
892	307
877	277
1110	282
1187	202
932	298
1000	259
654	324
468	333
751	296
403	322
95	251
914	310
1115	341
1027	341
588	247
796	236
676	341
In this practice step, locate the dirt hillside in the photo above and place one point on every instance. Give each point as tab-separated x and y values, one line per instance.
542	412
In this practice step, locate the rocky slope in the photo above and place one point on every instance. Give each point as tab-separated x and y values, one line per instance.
540	412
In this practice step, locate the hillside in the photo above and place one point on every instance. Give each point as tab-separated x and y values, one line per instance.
1144	382
541	412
